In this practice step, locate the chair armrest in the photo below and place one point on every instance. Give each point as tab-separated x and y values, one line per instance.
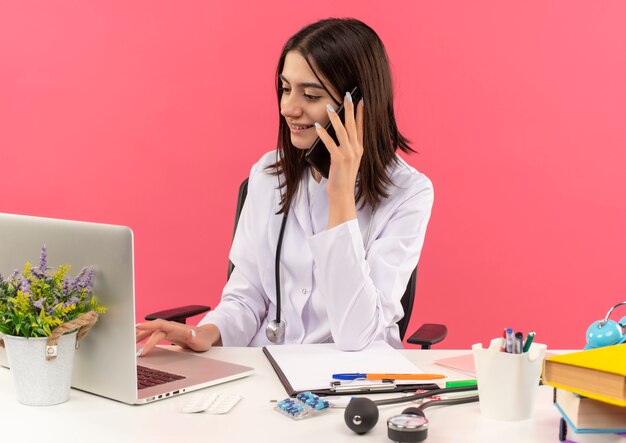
428	334
179	314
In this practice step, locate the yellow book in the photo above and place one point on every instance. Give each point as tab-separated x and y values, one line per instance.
596	373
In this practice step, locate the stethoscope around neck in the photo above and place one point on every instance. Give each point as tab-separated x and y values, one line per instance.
275	330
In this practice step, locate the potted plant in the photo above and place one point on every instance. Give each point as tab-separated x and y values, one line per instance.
43	317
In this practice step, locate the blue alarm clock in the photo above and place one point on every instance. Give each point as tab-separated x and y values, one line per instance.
606	332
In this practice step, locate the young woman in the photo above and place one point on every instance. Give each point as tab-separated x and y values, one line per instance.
350	242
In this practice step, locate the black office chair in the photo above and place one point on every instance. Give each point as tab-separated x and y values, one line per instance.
427	335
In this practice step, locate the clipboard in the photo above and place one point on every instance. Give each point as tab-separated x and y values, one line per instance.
349	388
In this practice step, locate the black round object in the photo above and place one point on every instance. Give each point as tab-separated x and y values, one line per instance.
415	411
361	415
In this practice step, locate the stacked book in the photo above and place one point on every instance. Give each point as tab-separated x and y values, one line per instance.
590	394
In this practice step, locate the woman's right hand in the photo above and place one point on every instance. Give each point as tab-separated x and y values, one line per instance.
198	339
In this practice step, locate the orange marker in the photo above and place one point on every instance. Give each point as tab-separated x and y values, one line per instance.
361	375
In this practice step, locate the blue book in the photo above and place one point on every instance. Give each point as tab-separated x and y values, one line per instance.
567	435
585	415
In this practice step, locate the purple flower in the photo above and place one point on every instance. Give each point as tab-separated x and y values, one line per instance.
25	286
39	303
13	275
38	274
71	301
84	280
88	281
77	284
43	259
50	307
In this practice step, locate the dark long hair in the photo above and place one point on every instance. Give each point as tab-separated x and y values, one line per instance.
347	53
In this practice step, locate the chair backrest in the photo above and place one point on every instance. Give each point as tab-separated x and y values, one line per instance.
241	198
407	303
407	298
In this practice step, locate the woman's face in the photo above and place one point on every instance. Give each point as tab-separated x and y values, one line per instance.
303	101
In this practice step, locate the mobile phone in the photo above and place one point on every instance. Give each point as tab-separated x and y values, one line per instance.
317	155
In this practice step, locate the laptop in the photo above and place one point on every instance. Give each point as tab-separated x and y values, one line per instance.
106	363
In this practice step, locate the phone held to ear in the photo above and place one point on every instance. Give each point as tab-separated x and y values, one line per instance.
317	155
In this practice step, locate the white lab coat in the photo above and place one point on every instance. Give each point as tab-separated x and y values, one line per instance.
341	285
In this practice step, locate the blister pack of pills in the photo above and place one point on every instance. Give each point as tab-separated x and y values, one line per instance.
212	403
306	404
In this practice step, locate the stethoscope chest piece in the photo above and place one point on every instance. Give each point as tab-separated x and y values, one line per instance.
275	332
407	428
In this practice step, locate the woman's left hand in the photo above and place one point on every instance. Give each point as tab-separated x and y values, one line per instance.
345	160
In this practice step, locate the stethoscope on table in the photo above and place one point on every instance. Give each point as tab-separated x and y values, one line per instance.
411	425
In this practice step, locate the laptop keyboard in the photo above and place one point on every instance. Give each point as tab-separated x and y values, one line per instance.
147	377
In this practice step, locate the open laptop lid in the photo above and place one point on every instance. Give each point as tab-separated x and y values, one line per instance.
106	363
109	349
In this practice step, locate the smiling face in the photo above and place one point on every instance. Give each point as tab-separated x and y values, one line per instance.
303	100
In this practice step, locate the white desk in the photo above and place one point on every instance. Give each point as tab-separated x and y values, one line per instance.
86	417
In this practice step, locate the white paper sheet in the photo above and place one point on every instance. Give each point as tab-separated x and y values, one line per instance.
310	366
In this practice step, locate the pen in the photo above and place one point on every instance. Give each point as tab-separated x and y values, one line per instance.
509	340
529	341
519	338
503	345
368	376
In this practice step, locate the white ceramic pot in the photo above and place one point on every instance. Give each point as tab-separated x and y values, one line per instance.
39	381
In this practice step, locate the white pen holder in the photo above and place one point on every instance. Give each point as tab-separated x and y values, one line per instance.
507	383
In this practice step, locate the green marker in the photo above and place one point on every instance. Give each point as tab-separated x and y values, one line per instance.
529	341
460	383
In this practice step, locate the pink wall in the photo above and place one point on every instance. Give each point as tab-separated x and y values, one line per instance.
149	113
